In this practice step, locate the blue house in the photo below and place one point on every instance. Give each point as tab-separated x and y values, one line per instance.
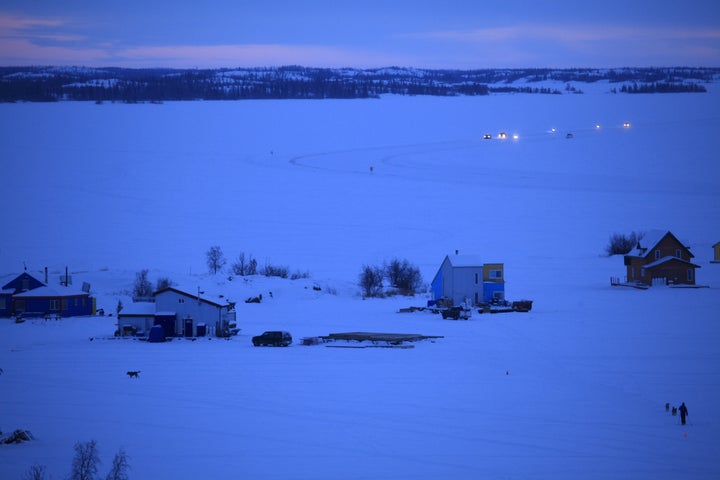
465	279
26	295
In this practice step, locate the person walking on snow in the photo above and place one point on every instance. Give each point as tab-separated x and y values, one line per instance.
683	413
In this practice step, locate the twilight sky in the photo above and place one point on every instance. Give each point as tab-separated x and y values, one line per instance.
363	34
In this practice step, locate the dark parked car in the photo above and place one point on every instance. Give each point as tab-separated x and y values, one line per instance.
275	339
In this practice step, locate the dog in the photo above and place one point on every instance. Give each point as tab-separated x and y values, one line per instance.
133	373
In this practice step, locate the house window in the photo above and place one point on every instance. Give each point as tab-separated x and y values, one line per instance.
54	304
64	304
2	304
25	284
677	253
181	300
657	254
690	275
477	278
496	274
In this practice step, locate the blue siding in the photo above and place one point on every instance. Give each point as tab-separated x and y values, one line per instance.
491	287
70	306
437	286
5	304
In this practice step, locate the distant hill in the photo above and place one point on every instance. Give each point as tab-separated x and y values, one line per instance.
49	84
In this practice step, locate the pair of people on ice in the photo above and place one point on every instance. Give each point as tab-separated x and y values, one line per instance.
683	413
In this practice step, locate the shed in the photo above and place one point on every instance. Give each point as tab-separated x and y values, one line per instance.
136	317
716	253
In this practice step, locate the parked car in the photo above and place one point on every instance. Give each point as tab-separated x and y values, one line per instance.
487	136
274	339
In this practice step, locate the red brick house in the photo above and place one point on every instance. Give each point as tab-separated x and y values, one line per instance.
659	257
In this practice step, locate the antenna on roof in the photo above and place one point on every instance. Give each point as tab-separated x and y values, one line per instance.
24	265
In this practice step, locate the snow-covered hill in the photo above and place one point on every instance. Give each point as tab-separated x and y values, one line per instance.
575	388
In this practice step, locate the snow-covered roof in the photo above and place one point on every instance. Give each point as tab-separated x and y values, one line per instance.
46	291
647	243
138	308
189	295
465	260
668	258
6	291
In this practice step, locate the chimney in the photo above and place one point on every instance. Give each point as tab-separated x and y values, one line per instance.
457	252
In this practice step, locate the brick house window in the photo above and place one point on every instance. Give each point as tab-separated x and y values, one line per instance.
690	274
496	274
54	304
657	254
677	253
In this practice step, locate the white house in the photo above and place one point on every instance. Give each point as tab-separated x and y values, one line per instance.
466	279
180	313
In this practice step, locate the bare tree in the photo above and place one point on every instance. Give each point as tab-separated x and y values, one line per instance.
36	472
215	259
85	462
120	466
142	288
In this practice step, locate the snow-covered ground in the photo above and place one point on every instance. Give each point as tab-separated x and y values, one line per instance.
574	389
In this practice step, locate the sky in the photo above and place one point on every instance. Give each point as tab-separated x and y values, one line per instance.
461	34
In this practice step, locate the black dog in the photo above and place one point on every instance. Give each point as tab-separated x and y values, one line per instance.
134	373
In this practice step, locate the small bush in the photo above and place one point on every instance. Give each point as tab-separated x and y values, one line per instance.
404	276
371	281
298	275
275	271
163	282
621	244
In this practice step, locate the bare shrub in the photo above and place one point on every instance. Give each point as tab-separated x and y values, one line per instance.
621	244
36	472
297	275
404	276
275	271
371	281
163	283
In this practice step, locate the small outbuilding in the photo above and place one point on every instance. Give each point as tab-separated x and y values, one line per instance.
716	253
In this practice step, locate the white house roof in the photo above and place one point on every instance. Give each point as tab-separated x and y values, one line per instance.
465	260
46	291
189	295
138	309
